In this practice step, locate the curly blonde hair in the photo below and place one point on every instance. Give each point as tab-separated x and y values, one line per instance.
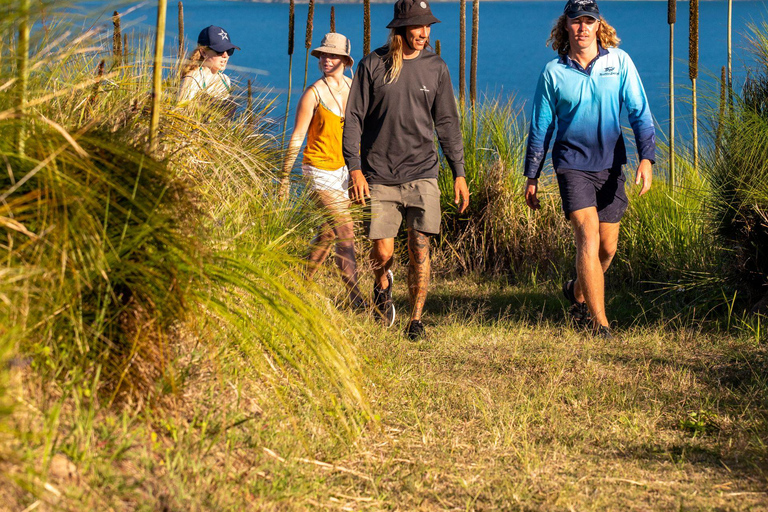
558	38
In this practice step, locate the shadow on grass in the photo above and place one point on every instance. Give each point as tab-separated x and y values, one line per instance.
499	301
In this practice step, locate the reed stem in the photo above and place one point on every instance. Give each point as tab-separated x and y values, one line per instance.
473	62
437	47
157	76
721	107
693	73
117	39
249	105
291	35
308	39
462	48
366	27
671	19
23	73
182	42
730	53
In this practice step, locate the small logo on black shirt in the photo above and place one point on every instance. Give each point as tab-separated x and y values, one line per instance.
424	88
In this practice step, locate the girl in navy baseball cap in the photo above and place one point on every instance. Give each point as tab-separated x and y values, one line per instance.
204	70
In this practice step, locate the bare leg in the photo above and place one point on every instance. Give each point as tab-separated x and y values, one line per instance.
339	227
382	254
609	239
586	228
418	271
320	247
345	258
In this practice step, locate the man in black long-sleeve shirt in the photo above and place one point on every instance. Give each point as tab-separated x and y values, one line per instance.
400	97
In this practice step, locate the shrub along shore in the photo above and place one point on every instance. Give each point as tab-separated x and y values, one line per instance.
159	349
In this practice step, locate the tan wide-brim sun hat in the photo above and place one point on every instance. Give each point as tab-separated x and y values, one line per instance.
335	44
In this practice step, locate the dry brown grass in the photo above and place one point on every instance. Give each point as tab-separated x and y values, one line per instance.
504	407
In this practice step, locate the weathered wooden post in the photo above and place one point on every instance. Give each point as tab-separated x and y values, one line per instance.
157	76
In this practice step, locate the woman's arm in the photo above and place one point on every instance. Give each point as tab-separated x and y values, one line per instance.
304	112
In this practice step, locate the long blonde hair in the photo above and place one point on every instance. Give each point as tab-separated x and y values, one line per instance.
394	56
194	61
558	38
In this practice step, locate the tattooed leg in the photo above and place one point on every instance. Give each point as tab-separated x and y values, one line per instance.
418	271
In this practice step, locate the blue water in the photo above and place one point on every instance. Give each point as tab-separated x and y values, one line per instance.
512	38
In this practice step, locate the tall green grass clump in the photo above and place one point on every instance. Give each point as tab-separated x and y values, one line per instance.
498	233
666	245
111	255
737	169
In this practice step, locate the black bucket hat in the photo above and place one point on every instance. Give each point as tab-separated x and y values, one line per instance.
578	8
412	12
217	39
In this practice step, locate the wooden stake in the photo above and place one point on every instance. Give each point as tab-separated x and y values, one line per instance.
23	73
157	76
333	19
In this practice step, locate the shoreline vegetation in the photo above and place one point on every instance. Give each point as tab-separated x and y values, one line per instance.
339	2
160	349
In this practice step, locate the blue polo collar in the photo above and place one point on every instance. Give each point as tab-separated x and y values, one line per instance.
567	61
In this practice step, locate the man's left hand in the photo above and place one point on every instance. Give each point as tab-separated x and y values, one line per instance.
644	173
461	193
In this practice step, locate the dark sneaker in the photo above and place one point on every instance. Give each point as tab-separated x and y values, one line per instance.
382	301
415	330
579	311
604	333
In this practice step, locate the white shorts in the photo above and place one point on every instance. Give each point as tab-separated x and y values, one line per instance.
329	181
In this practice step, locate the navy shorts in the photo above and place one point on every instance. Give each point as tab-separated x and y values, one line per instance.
602	189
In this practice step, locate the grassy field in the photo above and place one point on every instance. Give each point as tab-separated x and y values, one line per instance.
503	407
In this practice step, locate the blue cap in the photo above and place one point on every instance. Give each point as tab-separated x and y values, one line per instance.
578	8
217	39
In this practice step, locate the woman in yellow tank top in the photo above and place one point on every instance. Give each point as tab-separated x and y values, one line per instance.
320	117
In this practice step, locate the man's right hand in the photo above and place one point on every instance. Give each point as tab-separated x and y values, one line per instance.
358	187
531	194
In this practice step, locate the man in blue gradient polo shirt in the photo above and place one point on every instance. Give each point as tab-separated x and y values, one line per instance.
582	92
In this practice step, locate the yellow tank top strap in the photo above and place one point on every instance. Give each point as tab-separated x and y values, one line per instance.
324	135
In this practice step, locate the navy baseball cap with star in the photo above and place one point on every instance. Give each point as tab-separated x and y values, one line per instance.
217	39
578	8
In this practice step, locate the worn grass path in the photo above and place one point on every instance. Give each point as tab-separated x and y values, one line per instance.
503	407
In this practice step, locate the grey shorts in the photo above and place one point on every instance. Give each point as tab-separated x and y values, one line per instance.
603	189
418	201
